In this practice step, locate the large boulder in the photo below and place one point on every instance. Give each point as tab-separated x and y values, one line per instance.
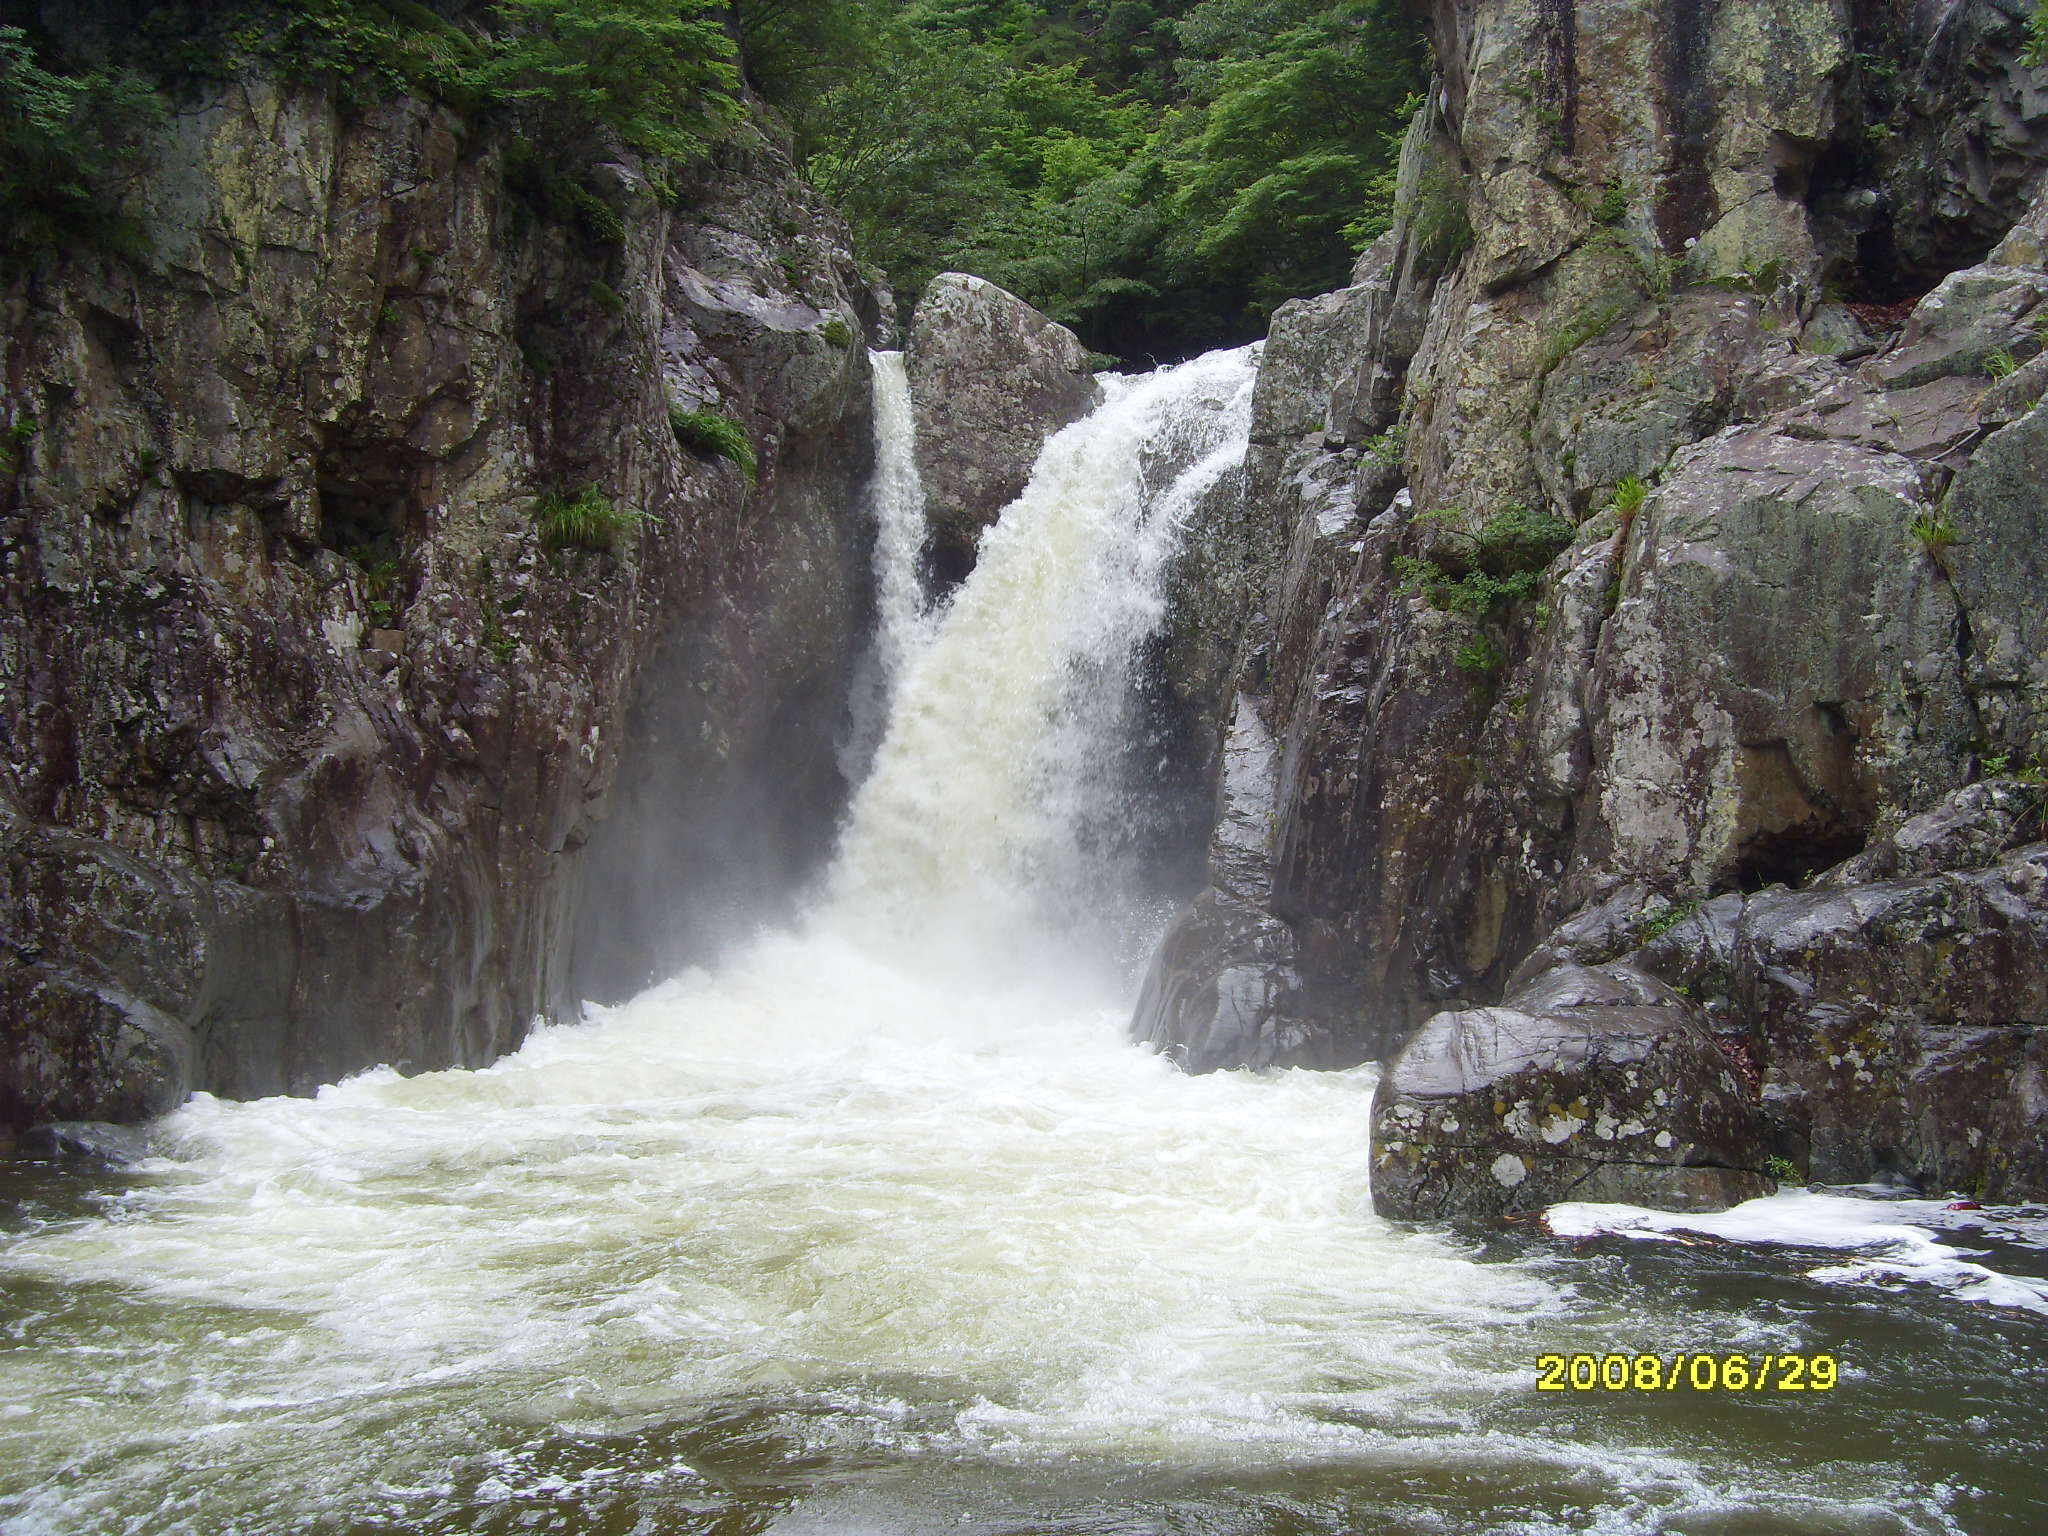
1587	1084
1779	665
990	380
1902	1026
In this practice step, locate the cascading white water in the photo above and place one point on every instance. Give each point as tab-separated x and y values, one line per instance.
895	500
980	826
859	1230
897	497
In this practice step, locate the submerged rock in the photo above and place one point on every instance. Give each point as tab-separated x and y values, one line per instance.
1587	1084
93	1141
990	380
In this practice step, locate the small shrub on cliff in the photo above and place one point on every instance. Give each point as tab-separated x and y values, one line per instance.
2035	54
1630	492
2001	364
1523	539
1480	654
712	435
1504	561
1663	922
541	189
1613	203
838	332
380	583
587	520
1440	218
1391	446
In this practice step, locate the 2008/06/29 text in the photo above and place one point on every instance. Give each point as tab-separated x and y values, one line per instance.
1686	1372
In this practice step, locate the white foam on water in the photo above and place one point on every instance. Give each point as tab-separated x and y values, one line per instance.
891	1182
1894	1240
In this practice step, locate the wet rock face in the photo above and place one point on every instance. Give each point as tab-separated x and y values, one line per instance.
1900	1026
1801	601
1586	1084
990	380
309	731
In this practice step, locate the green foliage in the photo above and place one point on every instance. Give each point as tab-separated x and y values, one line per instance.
68	145
1480	654
1630	492
1760	279
575	76
2001	364
1663	922
2035	53
1157	175
1500	566
713	435
1520	539
657	73
356	47
1440	218
380	583
1781	1170
587	520
1936	533
548	192
606	297
838	332
1575	333
1474	594
1613	204
1390	446
14	440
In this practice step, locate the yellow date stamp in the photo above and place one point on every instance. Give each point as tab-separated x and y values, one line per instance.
1687	1373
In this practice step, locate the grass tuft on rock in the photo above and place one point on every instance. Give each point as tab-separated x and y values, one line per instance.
587	520
713	435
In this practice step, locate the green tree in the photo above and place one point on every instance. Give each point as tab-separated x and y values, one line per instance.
658	73
67	143
1293	145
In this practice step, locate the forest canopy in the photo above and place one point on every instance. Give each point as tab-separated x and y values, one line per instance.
1158	174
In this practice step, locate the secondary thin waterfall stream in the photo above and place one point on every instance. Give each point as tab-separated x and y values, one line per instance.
879	1224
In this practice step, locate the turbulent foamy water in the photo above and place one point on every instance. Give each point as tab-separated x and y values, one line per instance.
878	1224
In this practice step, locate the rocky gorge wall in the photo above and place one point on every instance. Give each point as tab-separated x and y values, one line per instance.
1638	709
316	753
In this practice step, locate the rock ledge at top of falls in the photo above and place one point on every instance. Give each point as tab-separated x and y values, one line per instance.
990	380
1594	1083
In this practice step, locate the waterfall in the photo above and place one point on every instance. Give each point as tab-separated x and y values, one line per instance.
991	814
879	1224
897	500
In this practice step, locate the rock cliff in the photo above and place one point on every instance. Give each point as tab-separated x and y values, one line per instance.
365	547
1653	526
